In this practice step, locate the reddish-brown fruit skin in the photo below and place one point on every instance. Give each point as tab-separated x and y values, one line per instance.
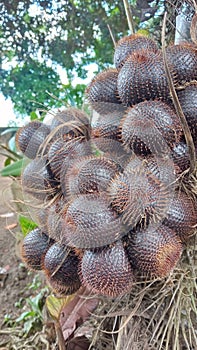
55	214
128	44
182	215
61	268
31	137
188	100
37	181
182	62
113	150
89	175
107	271
90	222
180	157
154	251
70	123
139	196
108	126
34	248
142	77
150	127
103	89
61	154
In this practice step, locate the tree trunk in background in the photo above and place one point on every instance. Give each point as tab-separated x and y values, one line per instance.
179	16
183	24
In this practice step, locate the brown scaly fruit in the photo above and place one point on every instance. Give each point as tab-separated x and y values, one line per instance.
107	271
55	214
129	44
90	175
90	222
180	157
30	138
154	251
61	154
182	215
70	123
61	269
34	247
102	92
139	196
37	180
182	62
142	77
188	100
108	125
150	127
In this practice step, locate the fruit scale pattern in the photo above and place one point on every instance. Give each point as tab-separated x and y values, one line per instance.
108	200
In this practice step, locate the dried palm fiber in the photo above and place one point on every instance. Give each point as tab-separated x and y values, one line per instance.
142	77
90	222
34	248
30	138
154	251
60	265
61	154
129	44
150	127
107	271
102	92
89	175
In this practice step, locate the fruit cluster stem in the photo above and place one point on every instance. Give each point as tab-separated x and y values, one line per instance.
179	111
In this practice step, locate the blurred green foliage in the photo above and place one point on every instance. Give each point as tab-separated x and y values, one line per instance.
37	36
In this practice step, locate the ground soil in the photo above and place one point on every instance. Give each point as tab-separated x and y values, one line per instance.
14	278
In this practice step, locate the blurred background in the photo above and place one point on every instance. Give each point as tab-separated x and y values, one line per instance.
51	49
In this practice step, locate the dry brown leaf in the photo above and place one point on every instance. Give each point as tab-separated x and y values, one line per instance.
76	312
11	226
78	343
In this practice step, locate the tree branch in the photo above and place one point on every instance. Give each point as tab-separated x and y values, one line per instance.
129	16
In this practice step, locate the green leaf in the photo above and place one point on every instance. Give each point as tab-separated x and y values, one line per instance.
7	162
25	315
54	305
28	325
33	116
143	31
36	302
14	169
26	225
